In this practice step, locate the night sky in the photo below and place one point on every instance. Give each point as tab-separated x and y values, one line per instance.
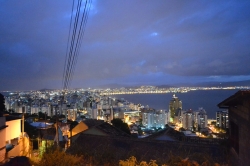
126	42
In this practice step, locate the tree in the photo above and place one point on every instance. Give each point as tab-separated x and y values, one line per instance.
118	123
2	104
41	115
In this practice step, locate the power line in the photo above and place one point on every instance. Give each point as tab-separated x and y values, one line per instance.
76	41
68	43
72	45
79	39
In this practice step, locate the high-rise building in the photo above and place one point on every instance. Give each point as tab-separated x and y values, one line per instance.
174	105
195	116
21	109
45	109
34	109
94	113
178	116
202	118
161	118
154	118
188	120
222	119
72	114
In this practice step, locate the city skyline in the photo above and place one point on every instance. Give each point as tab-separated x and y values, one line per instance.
128	43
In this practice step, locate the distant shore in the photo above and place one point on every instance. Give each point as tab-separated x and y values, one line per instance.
155	90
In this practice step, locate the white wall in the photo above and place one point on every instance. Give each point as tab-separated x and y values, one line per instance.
14	129
2	144
2	140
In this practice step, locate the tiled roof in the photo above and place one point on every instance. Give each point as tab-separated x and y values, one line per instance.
111	130
92	122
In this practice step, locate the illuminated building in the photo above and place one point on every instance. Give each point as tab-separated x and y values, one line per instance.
72	114
34	109
188	120
131	116
22	109
161	118
118	113
174	104
7	103
94	113
222	119
12	143
152	118
202	119
46	109
148	119
178	117
195	114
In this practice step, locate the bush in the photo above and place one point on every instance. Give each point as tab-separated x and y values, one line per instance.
58	157
174	161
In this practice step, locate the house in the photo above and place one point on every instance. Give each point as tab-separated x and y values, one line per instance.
2	141
238	106
96	127
12	142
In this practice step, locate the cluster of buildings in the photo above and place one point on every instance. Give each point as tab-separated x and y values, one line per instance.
79	105
194	120
82	104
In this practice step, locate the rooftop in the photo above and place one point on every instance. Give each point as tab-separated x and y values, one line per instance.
111	130
235	99
92	122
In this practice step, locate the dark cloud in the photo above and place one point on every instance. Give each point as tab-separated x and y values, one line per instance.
132	42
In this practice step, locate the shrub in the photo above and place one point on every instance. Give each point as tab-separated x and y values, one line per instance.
59	158
174	161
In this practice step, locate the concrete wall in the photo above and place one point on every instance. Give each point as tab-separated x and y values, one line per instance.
78	128
22	149
13	130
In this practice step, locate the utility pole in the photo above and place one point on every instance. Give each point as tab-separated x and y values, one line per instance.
23	131
57	133
46	131
23	124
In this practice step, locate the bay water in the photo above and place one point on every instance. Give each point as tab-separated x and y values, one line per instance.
207	99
